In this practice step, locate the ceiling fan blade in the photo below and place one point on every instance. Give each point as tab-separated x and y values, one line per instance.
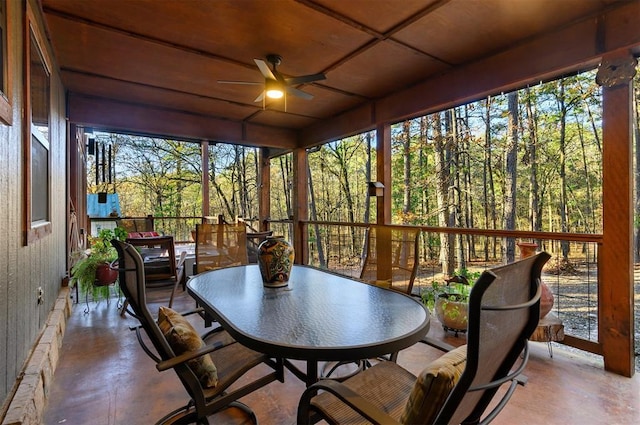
264	69
260	97
250	83
299	93
305	79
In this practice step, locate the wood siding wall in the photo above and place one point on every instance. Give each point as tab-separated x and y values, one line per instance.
24	269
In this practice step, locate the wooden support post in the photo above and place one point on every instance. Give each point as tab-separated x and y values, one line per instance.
615	292
264	189
300	205
383	211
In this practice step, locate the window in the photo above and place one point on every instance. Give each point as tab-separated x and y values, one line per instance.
36	145
6	115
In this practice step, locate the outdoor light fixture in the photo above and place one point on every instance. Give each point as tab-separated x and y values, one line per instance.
273	89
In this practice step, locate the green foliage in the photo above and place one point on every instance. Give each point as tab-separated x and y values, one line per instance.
83	273
457	288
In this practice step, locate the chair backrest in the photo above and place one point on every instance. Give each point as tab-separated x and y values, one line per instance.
160	251
220	245
391	255
504	307
132	284
254	239
138	227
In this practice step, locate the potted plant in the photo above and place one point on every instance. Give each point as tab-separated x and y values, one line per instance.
450	300
93	273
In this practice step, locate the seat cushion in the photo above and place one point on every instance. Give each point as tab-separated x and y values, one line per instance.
183	337
433	386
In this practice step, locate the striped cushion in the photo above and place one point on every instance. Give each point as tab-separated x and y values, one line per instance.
183	337
433	386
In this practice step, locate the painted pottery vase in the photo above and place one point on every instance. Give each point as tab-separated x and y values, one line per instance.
275	259
105	275
527	249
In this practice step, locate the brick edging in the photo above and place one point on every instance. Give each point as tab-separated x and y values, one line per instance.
29	401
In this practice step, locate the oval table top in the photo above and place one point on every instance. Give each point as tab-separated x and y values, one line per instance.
319	315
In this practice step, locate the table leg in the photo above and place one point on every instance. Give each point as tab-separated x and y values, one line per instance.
312	372
310	377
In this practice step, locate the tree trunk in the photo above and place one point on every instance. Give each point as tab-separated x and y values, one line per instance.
563	174
406	169
314	217
442	193
532	153
511	175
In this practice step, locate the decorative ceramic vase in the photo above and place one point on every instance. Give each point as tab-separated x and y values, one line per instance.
275	258
527	249
105	275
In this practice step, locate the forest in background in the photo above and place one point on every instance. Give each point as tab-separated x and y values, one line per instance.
526	160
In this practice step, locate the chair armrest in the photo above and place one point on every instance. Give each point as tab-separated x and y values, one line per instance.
442	346
188	355
197	310
345	394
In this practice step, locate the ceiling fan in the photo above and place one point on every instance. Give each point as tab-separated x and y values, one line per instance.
275	84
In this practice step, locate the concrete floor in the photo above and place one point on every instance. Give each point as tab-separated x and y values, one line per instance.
103	378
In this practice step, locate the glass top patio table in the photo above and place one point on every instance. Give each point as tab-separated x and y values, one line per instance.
318	316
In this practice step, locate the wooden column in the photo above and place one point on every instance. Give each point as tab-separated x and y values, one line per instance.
615	292
264	189
300	205
383	208
204	155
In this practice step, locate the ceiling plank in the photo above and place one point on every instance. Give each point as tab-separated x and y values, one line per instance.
545	57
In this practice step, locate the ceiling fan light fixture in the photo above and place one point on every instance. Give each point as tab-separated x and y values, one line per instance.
273	89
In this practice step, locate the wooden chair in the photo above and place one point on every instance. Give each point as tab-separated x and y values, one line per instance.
459	386
220	245
390	257
176	346
138	227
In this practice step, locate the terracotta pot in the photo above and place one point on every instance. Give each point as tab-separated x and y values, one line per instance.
527	249
105	275
546	300
275	259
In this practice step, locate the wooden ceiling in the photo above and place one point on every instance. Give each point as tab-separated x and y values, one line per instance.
153	66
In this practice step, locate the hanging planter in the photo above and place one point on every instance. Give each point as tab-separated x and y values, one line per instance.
105	275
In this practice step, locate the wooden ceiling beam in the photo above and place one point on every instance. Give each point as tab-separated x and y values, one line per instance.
142	119
577	47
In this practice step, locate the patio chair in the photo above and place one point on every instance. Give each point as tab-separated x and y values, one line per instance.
160	265
138	227
198	361
396	266
220	245
396	269
254	239
459	386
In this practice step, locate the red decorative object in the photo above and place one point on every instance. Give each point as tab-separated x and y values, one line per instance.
527	249
105	275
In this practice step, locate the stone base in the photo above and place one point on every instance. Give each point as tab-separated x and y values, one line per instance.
28	402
